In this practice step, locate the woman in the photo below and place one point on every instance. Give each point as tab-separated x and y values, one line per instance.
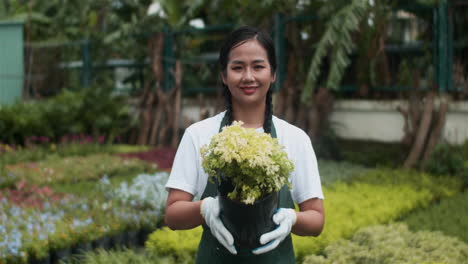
248	66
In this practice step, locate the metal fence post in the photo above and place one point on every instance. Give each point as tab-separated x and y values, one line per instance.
87	65
279	40
443	47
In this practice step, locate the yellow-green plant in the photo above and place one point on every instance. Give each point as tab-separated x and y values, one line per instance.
254	162
393	244
181	244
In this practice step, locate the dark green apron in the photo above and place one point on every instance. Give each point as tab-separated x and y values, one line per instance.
210	251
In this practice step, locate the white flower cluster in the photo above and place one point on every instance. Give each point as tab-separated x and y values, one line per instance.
146	191
255	162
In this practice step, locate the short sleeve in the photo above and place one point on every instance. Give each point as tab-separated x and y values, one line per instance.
305	179
184	174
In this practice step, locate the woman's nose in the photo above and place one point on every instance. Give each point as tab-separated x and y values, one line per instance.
248	75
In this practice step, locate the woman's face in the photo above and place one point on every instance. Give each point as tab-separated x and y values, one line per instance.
248	74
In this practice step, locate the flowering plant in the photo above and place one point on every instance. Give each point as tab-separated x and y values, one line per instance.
255	163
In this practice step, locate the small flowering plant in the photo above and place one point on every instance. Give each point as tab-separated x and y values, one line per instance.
255	163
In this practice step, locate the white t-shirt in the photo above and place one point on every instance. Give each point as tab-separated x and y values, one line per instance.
188	175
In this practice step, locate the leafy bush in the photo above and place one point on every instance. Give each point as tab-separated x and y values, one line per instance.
376	197
93	111
448	160
393	244
182	245
449	216
332	171
121	257
373	154
75	169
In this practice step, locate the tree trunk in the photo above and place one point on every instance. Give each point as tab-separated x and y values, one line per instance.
178	86
436	132
421	135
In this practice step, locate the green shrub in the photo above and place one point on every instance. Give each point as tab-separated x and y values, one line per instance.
121	257
447	160
182	245
75	169
449	216
373	154
332	171
92	111
393	244
376	197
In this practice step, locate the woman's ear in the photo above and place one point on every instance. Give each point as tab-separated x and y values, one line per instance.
273	79
223	77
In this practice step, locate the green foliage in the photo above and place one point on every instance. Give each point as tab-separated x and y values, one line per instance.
449	216
181	245
342	21
465	150
332	171
76	169
43	152
92	111
121	257
373	154
448	160
393	244
375	197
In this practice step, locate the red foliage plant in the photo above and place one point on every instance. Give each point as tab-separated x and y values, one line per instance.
163	157
28	195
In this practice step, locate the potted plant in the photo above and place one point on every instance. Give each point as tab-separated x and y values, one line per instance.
249	169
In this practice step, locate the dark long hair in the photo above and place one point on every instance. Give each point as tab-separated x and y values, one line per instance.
234	39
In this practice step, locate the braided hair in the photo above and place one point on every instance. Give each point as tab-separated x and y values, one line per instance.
236	38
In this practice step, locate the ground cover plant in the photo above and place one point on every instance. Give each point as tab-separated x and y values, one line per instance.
448	216
75	169
125	256
332	171
393	244
33	231
372	197
41	211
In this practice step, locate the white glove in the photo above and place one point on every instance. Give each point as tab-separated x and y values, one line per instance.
210	212
285	218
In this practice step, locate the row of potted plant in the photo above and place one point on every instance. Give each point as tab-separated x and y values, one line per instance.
74	169
37	232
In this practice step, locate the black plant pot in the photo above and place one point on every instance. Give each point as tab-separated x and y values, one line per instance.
247	222
45	260
62	254
81	248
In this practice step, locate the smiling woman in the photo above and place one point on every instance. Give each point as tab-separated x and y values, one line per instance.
248	66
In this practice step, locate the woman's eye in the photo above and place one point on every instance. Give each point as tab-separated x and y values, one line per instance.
259	67
236	68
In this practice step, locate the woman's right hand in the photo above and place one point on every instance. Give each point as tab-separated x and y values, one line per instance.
210	211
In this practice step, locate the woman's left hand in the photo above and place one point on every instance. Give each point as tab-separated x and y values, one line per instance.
285	218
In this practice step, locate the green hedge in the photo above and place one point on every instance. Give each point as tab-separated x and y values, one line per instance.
393	244
373	154
449	216
376	197
92	111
